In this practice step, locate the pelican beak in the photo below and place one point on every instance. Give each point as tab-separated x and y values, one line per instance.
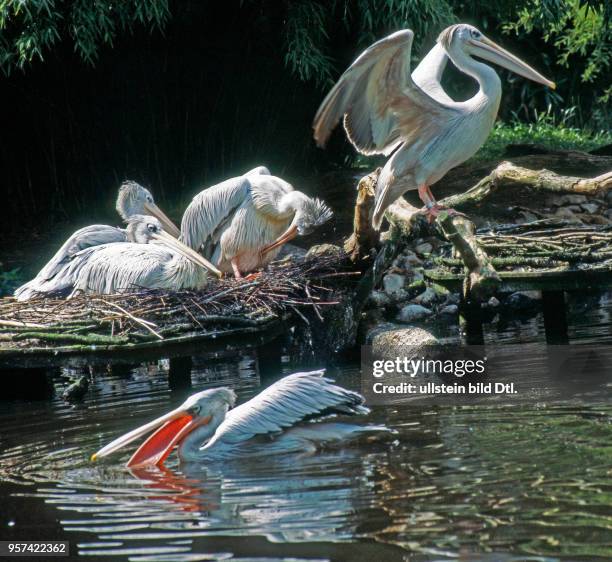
289	234
169	226
170	428
186	252
492	52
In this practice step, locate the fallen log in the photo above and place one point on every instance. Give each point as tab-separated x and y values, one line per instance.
509	176
364	238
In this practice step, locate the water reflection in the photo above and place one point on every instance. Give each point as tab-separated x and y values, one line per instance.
479	483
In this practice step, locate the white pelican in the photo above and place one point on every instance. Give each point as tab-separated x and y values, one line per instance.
124	266
281	419
241	223
386	111
132	199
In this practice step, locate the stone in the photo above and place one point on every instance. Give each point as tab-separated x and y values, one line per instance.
393	284
379	299
449	309
427	297
424	248
411	259
608	214
572	199
389	341
493	302
453	298
590	208
413	312
609	197
321	250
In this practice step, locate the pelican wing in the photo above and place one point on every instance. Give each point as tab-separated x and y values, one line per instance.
113	268
285	403
381	104
88	237
211	210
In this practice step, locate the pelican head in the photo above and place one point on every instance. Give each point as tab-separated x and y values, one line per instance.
134	199
471	41
142	229
197	417
309	214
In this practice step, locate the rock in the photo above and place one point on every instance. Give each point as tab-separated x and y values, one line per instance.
379	299
608	214
393	284
565	213
449	309
574	208
440	290
427	297
571	199
413	312
528	217
609	198
291	250
453	298
493	302
389	341
321	250
411	259
590	208
523	299
424	248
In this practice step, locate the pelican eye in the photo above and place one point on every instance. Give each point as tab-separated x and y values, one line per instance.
475	34
149	199
152	228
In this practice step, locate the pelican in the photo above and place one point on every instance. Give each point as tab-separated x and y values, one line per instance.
240	224
132	199
411	118
124	266
281	419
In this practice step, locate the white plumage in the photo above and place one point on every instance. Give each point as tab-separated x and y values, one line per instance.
132	199
241	223
410	118
288	414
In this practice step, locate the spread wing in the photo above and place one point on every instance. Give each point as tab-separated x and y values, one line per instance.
211	210
88	237
285	403
381	104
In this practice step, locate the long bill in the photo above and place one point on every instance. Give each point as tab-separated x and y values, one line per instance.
186	252
491	51
285	237
170	429
169	226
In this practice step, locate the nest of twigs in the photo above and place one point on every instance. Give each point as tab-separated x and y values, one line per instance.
541	245
146	314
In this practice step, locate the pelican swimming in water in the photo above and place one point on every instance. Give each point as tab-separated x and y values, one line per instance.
132	199
280	419
151	259
410	118
240	224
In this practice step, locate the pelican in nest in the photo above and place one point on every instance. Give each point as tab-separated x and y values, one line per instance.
132	199
284	418
240	224
410	118
152	259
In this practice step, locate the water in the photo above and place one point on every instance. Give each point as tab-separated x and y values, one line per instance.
474	483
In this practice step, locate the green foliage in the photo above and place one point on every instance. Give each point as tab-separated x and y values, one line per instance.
30	28
546	130
9	281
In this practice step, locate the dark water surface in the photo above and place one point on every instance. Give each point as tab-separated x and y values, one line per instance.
474	483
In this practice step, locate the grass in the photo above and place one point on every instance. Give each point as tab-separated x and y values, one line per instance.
543	132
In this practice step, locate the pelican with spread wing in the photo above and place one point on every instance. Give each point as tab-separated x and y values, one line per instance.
132	199
410	118
240	224
281	419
